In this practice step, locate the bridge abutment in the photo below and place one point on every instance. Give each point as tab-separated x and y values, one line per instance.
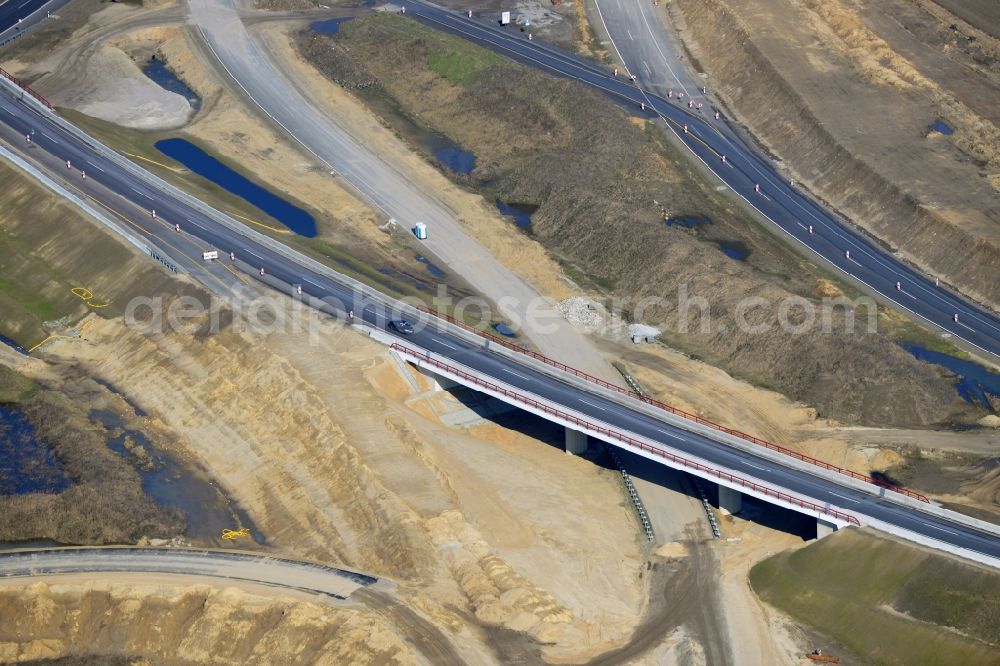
730	501
438	383
823	528
576	441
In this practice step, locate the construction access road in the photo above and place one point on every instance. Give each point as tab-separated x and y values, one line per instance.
246	61
299	575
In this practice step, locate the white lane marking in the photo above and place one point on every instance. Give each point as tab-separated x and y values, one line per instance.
630	34
313	284
843	497
26	2
254	254
943	529
48	137
195	224
757	466
140	193
592	404
442	342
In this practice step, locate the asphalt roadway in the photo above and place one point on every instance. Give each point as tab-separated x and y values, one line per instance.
135	193
807	224
17	16
311	577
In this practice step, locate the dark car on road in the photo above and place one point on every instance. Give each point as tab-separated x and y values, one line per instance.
402	326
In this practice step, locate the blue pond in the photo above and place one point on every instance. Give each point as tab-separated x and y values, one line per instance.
164	77
456	159
520	212
941	127
27	465
205	165
974	381
330	26
504	330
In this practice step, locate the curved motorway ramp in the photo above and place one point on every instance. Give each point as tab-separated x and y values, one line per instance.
230	565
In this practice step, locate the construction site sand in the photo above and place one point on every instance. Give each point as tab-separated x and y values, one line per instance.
760	634
330	467
168	621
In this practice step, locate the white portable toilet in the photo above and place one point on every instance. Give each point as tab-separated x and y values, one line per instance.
420	230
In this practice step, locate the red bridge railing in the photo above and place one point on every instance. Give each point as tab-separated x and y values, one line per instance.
678	412
621	437
24	86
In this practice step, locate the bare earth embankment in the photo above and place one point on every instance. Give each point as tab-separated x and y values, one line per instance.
846	94
137	620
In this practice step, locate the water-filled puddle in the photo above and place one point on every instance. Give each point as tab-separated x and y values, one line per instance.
432	268
164	77
520	212
329	26
941	127
734	250
974	383
170	482
27	464
504	330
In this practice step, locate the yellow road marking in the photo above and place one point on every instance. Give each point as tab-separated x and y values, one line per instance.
259	224
146	159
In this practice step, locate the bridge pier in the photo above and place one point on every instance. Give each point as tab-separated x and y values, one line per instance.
730	501
576	441
824	528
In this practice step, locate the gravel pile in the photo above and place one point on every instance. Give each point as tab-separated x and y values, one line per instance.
582	313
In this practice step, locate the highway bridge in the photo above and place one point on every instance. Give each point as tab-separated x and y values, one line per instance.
807	224
450	351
